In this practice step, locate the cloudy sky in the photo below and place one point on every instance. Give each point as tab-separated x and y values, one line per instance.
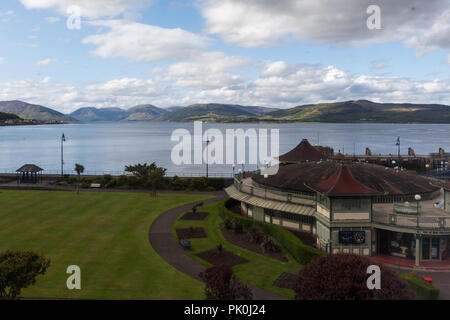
253	52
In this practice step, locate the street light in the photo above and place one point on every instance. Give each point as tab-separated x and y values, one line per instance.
398	145
242	164
418	198
63	139
207	151
265	185
233	166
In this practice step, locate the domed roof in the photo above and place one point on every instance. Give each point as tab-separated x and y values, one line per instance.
360	178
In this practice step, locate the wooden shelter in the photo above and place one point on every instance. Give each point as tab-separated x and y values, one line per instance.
29	173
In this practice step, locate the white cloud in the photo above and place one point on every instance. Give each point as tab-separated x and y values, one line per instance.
142	42
264	23
279	84
436	37
6	15
286	85
52	20
46	62
207	70
89	8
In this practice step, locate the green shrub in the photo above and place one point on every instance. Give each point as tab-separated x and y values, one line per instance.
198	184
107	178
63	183
302	253
179	184
268	245
227	224
121	181
216	183
423	289
85	184
72	180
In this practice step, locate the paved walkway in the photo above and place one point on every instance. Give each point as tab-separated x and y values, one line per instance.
403	263
160	237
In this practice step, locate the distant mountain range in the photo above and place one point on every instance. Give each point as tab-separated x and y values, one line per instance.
356	111
143	112
33	111
215	112
362	111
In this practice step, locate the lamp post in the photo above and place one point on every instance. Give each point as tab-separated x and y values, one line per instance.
265	185
207	151
242	164
398	145
233	166
63	139
418	198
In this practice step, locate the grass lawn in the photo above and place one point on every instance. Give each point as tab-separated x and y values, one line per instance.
260	271
104	233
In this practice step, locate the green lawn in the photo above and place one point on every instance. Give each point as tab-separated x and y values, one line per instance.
104	233
260	271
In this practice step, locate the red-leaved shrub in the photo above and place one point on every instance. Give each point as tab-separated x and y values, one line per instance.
344	276
220	284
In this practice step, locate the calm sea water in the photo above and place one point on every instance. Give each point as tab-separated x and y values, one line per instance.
108	147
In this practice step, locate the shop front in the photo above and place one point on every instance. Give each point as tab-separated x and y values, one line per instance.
403	245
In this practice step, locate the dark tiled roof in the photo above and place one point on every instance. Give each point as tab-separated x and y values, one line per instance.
342	183
383	180
29	168
304	151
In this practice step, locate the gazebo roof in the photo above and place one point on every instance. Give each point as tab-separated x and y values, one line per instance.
29	168
342	183
304	151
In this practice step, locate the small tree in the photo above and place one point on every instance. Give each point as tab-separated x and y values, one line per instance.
19	270
344	276
220	284
79	170
147	174
155	175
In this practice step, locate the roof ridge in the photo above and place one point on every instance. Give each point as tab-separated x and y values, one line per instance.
337	179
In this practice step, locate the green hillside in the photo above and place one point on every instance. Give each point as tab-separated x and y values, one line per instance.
362	111
32	111
8	116
214	112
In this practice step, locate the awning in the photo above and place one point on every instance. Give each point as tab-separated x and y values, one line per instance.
269	204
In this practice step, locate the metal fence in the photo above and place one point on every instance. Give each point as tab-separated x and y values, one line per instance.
118	173
270	194
412	221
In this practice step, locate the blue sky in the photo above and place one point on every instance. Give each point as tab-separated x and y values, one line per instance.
253	52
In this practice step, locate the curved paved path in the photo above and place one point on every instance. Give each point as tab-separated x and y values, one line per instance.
160	237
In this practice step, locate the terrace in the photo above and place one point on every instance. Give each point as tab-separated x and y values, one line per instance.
422	216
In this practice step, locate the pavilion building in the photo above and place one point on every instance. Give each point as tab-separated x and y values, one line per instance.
358	208
29	173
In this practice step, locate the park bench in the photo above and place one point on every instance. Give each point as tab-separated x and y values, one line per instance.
185	243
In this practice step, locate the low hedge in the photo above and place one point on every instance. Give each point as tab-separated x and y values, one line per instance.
423	289
301	252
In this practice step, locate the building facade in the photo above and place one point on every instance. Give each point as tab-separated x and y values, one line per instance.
358	208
